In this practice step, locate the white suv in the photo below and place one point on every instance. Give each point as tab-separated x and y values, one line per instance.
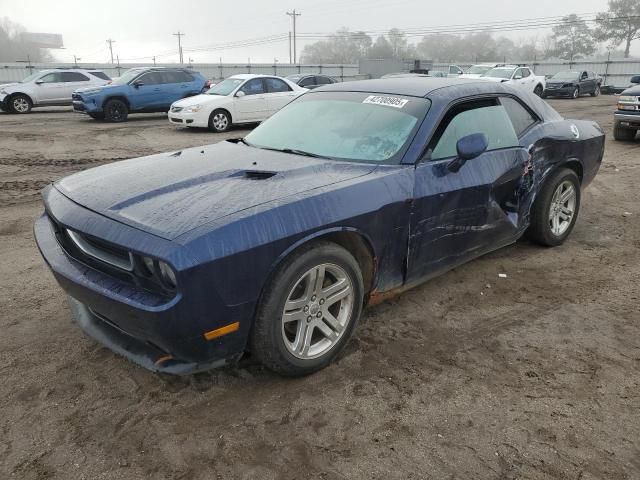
47	88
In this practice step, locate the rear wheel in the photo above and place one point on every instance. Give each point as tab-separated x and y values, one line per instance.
555	211
219	121
538	90
596	92
623	134
20	103
576	93
308	310
116	110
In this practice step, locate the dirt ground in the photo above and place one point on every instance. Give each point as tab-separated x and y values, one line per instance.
533	376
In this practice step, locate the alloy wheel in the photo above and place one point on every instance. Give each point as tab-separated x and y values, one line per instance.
562	208
21	105
116	111
317	311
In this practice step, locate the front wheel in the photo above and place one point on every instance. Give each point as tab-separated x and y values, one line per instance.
308	310
116	111
219	121
555	211
21	104
623	134
576	93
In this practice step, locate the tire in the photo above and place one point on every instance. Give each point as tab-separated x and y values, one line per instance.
623	134
596	92
542	227
219	121
115	110
576	93
538	90
290	294
20	103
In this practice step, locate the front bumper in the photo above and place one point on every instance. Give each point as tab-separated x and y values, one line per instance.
86	104
156	332
627	120
558	91
188	119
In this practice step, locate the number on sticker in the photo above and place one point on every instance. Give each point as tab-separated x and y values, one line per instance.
394	102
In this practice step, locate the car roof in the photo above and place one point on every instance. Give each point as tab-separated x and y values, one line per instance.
245	76
414	86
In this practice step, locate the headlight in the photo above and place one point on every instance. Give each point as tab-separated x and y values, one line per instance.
623	98
192	109
159	272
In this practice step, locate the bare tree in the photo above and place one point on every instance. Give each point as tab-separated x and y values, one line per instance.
620	25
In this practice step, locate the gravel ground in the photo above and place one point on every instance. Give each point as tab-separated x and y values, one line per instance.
533	376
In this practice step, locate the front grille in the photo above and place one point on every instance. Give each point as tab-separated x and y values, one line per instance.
101	251
176	109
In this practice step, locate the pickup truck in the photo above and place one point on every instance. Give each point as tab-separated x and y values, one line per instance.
519	77
626	119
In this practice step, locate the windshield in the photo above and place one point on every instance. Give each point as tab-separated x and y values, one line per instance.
500	73
344	126
33	76
225	87
478	69
126	77
568	75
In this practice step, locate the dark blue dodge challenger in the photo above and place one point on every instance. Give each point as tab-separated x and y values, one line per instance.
272	244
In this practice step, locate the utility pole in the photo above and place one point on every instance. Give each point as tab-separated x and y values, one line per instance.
75	60
179	35
289	47
111	42
293	16
154	59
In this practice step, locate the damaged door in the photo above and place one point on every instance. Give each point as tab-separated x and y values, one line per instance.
458	215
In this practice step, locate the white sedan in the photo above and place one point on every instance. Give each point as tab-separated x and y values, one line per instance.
518	77
244	98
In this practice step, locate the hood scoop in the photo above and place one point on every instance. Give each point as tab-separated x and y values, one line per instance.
258	174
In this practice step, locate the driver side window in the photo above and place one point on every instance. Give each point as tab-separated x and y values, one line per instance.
253	87
482	116
55	77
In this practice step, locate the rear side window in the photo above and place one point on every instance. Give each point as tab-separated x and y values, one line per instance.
74	77
275	85
100	75
486	116
177	77
520	117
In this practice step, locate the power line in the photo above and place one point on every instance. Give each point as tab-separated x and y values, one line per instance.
293	16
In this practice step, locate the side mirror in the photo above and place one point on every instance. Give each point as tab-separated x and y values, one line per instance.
138	83
468	148
39	82
240	93
635	79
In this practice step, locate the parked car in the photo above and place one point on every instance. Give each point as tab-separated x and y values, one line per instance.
272	243
626	119
572	83
311	81
244	98
476	71
519	77
46	88
139	90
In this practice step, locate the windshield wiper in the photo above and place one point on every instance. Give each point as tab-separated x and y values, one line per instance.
295	151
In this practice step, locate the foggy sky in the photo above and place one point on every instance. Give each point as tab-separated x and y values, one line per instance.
143	28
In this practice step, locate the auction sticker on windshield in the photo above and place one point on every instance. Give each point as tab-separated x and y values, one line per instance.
386	101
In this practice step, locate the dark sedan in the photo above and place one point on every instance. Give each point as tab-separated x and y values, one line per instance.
572	84
272	244
311	81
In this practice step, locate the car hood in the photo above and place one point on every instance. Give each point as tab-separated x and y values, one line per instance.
496	79
470	75
201	99
170	194
635	90
561	82
8	85
101	88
